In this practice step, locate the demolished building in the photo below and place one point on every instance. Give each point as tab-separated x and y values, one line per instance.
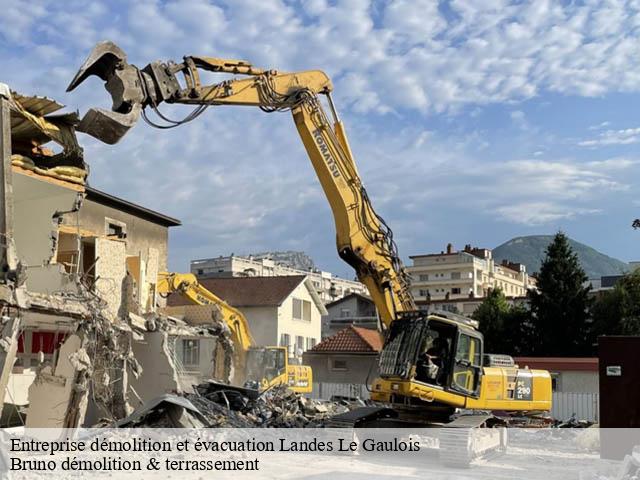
81	339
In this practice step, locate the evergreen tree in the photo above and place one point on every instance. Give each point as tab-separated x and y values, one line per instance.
560	307
506	329
519	333
491	315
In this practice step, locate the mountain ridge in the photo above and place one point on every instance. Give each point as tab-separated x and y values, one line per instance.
530	251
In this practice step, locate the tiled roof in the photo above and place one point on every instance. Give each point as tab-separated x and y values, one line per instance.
246	291
351	340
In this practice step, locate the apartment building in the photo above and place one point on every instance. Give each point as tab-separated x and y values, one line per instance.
327	286
465	274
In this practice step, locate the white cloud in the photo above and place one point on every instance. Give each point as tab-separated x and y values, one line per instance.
541	213
625	136
414	58
240	179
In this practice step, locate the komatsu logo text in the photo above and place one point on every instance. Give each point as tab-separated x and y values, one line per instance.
324	150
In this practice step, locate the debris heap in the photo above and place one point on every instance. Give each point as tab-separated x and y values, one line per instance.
220	405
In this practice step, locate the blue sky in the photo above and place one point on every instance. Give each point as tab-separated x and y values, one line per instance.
471	122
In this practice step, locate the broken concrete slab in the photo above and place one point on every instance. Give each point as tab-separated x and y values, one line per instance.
159	374
10	324
56	399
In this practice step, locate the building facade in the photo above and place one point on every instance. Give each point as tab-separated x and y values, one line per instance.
327	286
349	356
354	309
465	274
99	241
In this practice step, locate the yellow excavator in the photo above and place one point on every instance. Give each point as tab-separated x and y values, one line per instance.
251	366
433	368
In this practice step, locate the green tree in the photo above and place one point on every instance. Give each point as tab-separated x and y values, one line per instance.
617	312
491	315
506	329
560	306
519	333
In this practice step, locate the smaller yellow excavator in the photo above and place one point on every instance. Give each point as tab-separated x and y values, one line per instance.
254	367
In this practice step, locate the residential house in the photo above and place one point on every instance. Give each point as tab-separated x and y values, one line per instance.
354	309
103	227
328	286
282	311
349	356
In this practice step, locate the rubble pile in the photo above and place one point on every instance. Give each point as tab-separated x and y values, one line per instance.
219	405
278	407
629	469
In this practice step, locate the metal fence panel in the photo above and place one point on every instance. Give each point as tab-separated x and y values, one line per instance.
325	390
584	406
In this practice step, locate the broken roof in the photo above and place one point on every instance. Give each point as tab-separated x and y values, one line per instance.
32	127
351	340
247	291
31	121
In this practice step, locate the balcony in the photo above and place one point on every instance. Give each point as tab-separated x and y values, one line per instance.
442	281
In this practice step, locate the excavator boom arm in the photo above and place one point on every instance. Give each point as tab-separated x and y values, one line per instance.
363	239
187	284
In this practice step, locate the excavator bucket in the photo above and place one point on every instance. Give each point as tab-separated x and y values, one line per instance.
123	82
108	126
102	61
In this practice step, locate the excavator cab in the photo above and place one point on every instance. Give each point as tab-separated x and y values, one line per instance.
269	366
264	365
440	351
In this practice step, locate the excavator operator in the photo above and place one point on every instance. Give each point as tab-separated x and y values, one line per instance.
431	363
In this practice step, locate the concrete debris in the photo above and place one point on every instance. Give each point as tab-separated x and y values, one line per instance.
220	405
573	422
78	308
167	411
629	469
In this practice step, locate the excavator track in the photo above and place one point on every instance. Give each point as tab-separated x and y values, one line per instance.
468	438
